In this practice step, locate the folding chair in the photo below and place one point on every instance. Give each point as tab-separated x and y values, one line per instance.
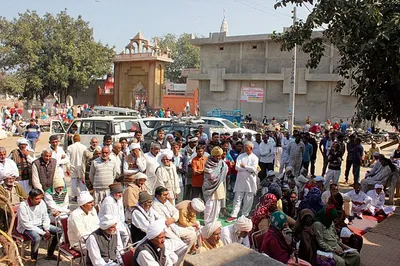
257	238
21	239
64	248
127	254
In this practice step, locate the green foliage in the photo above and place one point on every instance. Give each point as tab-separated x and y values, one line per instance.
50	54
182	52
367	37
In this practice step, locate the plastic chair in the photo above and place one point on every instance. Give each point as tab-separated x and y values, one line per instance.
127	254
64	248
257	238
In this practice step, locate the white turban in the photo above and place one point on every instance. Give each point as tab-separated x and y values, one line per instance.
208	230
194	139
319	179
169	136
167	153
378	186
198	205
107	221
134	146
155	228
22	141
243	224
140	175
270	173
84	197
4	174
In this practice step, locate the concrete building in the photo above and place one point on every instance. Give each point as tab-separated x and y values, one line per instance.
251	73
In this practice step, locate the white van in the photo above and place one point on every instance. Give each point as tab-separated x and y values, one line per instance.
115	111
89	127
228	125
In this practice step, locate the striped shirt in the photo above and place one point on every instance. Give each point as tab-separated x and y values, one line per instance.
102	173
32	132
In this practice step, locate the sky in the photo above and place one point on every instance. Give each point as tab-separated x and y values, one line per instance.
116	21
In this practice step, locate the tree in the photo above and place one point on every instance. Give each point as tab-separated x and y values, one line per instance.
367	37
182	52
50	54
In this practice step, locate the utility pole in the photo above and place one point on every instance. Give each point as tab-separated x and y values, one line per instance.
292	95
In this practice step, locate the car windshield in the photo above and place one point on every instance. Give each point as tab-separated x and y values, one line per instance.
229	123
126	126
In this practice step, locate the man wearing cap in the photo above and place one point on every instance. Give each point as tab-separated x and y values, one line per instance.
377	200
167	176
44	171
23	157
211	234
245	185
214	185
134	184
187	212
104	243
87	159
102	174
135	161
57	200
153	251
143	215
190	149
12	190
116	157
83	220
112	205
152	163
75	153
58	154
319	182
237	232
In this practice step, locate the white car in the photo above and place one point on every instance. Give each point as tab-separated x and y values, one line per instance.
96	126
149	123
228	125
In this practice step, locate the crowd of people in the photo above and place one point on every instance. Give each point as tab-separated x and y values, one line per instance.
170	200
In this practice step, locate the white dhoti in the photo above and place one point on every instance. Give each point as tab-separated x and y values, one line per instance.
331	175
25	185
77	186
372	209
278	156
99	195
358	209
177	246
211	211
366	182
284	162
247	198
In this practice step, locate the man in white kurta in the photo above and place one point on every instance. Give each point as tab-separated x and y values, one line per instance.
380	177
152	162
163	208
285	154
143	215
75	153
112	205
58	154
246	181
237	232
376	204
167	176
83	220
7	166
359	200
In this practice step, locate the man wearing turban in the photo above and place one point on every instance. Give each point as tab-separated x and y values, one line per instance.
166	176
112	205
23	157
237	232
103	244
211	237
214	185
152	252
83	220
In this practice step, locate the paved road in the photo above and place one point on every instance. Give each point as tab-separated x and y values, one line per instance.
375	241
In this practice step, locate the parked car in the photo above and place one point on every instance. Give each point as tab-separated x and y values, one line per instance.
89	127
228	125
112	111
186	128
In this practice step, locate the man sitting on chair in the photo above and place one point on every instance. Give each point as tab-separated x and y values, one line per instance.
34	221
104	244
152	251
83	220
